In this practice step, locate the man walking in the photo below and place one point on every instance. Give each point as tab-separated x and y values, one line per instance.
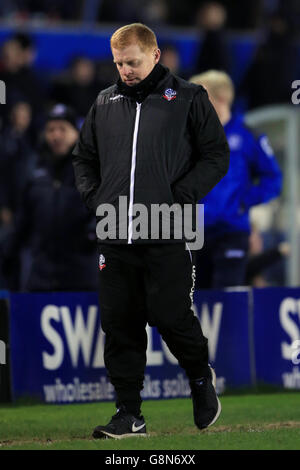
152	138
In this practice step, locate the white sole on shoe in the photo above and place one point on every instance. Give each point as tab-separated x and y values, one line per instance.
214	382
123	436
214	377
217	415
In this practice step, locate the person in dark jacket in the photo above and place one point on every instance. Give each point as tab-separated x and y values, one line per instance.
17	72
17	157
254	177
59	230
275	57
214	52
150	139
78	87
262	260
17	160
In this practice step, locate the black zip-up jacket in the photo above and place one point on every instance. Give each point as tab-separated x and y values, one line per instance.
158	142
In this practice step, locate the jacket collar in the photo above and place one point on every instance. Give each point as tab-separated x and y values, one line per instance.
140	91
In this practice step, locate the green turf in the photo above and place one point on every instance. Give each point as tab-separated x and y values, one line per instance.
266	421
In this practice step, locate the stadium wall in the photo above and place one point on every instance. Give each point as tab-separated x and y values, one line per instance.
56	345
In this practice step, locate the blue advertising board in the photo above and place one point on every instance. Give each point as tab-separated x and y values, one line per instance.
4	348
277	336
224	318
57	347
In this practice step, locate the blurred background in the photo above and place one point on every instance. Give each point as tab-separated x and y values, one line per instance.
58	52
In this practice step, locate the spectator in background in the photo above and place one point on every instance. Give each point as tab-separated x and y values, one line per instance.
17	159
290	9
269	78
260	260
182	13
254	177
246	15
52	218
211	18
106	73
16	71
119	10
78	87
53	10
155	12
7	8
170	58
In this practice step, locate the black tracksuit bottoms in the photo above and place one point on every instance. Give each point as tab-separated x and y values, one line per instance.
140	284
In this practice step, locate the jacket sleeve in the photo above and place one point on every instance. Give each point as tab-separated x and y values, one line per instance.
86	161
210	150
265	173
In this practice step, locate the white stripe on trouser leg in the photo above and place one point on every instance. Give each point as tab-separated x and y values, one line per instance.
193	277
193	284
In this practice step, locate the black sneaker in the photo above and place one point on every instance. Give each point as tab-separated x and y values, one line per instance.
121	425
206	405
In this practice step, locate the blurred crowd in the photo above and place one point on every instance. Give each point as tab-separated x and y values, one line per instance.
239	15
25	116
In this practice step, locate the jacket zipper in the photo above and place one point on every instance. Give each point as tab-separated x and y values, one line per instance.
132	171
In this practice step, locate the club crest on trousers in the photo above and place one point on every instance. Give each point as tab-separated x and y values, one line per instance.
102	264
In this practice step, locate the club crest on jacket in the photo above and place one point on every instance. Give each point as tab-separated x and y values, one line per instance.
170	94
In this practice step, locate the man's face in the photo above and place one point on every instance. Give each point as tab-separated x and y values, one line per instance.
60	136
13	55
133	64
21	116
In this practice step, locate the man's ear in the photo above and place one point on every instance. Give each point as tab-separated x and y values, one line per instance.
157	54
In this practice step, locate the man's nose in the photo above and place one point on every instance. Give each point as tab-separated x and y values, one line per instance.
127	70
56	138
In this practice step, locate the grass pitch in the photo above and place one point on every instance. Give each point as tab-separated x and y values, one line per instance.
247	422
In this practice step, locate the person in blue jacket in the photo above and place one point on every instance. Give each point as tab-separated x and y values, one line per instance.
254	177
